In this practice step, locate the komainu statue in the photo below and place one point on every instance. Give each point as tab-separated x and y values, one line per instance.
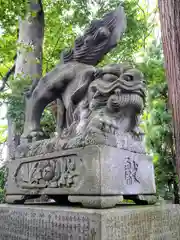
98	157
75	69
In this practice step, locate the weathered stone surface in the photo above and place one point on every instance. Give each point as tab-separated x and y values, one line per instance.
90	171
58	223
96	201
121	140
106	112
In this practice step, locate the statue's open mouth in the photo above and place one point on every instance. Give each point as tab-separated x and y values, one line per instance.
118	92
138	92
116	102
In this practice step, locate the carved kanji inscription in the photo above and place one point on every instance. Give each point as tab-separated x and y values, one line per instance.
131	169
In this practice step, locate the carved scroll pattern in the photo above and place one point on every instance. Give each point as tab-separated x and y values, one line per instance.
62	172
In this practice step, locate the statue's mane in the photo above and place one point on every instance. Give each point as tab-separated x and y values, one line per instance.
115	22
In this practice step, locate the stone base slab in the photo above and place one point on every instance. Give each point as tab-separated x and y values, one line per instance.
89	171
86	201
60	223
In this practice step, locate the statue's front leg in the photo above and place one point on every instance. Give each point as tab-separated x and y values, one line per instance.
32	129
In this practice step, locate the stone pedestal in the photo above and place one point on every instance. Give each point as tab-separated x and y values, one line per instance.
58	223
96	176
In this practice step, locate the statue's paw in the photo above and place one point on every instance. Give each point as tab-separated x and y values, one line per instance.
37	134
34	136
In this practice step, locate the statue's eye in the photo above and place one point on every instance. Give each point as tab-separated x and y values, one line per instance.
128	78
109	77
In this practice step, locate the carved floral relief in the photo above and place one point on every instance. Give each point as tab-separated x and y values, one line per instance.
53	173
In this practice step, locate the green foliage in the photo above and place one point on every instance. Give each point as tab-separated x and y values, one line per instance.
16	103
157	121
48	122
3	135
3	174
9	13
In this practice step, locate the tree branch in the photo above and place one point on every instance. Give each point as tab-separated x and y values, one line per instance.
6	77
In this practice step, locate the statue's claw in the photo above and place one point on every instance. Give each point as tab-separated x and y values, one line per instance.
34	136
77	141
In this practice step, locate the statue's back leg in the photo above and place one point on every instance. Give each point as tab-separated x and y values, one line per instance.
48	89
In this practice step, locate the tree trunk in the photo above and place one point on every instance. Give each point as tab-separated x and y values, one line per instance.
176	191
13	139
31	34
170	27
29	56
